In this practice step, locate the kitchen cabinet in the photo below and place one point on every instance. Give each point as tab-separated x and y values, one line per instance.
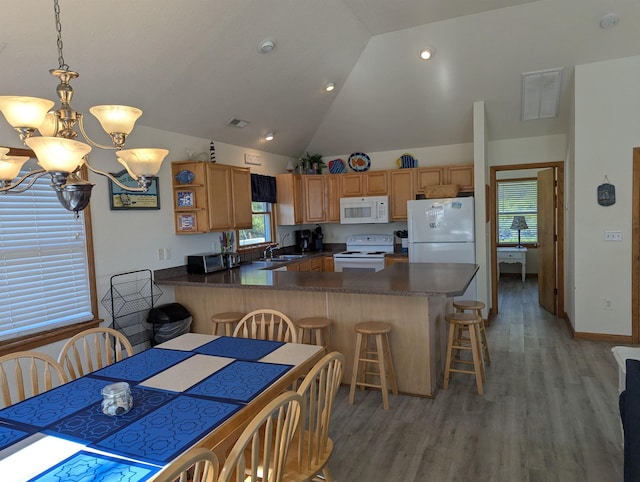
229	197
391	259
316	264
461	175
370	183
327	264
289	208
402	190
314	199
333	185
312	264
210	197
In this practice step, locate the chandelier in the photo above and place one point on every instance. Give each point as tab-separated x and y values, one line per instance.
58	152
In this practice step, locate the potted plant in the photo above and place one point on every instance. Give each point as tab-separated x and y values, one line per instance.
311	164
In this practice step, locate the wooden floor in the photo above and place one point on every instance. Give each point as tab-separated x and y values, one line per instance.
549	412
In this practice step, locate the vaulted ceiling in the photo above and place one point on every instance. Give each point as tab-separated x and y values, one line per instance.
192	65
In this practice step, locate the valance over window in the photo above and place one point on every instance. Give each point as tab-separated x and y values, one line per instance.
263	188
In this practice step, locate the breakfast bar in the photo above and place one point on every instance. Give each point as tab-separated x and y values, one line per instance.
412	297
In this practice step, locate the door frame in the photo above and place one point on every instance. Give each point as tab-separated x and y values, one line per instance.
558	167
635	250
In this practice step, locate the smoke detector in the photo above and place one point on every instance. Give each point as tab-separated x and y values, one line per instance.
609	20
266	46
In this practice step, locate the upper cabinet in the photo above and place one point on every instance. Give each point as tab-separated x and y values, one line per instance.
370	183
333	190
210	197
314	199
402	190
289	206
461	175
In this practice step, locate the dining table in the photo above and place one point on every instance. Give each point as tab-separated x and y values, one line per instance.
195	390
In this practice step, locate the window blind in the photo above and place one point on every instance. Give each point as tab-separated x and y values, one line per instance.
517	198
44	280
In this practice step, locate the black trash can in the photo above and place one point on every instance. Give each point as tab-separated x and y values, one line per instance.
168	321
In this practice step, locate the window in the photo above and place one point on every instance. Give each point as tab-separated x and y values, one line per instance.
517	198
262	229
44	273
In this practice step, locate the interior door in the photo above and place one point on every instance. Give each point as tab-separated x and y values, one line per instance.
547	240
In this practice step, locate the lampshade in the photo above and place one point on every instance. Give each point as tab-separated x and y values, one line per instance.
142	162
49	126
116	118
519	223
58	154
10	166
23	112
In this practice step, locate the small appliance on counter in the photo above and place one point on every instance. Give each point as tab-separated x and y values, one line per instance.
303	240
204	263
403	235
231	260
317	238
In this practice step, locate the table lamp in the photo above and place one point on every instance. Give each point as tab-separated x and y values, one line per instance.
519	223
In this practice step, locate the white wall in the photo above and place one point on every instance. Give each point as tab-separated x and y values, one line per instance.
607	128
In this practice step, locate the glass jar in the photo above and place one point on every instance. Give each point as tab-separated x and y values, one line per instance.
116	399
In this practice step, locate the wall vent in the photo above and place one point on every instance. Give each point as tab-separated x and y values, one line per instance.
233	122
541	94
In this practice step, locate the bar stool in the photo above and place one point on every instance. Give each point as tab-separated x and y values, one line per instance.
476	307
228	319
458	324
316	329
381	357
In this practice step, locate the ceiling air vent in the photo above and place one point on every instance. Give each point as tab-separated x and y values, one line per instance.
233	122
541	94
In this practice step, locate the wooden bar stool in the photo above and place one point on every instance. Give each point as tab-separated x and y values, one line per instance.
381	357
476	307
459	323
228	319
316	329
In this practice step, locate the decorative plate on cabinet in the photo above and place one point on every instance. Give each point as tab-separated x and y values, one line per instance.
337	166
406	160
359	161
185	177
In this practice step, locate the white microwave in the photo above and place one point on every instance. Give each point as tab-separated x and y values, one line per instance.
364	210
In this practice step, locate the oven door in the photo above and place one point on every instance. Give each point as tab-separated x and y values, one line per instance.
341	264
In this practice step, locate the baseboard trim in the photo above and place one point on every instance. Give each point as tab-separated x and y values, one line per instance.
621	339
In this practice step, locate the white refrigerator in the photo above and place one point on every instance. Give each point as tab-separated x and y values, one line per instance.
443	231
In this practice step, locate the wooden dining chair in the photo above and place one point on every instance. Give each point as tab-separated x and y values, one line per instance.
265	324
260	452
197	465
312	446
24	374
93	349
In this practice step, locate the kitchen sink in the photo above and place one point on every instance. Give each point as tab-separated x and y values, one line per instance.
289	256
278	259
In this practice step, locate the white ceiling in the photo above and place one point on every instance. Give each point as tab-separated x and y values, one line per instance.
192	65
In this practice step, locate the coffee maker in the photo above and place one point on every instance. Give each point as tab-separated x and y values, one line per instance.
303	240
317	237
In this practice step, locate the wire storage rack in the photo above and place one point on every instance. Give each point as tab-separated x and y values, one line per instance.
131	293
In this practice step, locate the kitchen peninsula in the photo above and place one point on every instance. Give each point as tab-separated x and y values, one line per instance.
413	297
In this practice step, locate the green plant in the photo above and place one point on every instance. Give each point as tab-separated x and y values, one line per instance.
312	161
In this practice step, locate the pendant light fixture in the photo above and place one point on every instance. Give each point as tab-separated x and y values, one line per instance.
58	152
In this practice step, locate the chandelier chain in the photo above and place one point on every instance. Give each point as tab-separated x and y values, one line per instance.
56	10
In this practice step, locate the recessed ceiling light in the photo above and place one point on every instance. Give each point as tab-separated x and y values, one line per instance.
266	46
329	87
426	54
269	136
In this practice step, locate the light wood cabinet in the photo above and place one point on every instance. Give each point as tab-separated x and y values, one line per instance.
289	208
461	175
370	183
210	197
316	264
428	176
327	264
314	199
402	190
395	258
333	197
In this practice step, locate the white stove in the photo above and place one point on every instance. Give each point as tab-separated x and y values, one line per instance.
365	252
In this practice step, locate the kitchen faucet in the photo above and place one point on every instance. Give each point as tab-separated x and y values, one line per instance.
268	252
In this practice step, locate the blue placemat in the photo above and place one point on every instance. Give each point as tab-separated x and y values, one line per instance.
90	424
86	466
166	432
240	381
239	348
55	404
11	435
143	365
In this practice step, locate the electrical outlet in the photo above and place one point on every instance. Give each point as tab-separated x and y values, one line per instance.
167	253
607	304
160	254
613	235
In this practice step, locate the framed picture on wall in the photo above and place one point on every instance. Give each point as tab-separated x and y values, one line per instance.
120	199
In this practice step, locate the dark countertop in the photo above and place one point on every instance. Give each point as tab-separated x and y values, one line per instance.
403	279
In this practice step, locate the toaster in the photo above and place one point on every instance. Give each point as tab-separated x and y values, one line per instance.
205	263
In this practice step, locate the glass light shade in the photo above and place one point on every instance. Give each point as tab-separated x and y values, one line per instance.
57	153
142	162
49	126
118	119
24	111
10	166
3	151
